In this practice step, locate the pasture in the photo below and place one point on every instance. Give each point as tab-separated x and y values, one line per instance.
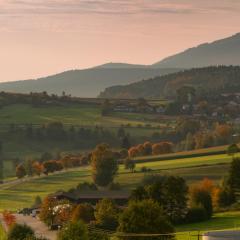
76	114
22	194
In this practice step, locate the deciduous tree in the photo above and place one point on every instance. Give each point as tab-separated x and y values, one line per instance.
104	165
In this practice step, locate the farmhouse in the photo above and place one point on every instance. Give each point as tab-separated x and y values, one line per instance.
93	197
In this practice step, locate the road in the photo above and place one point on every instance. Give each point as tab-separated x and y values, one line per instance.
39	227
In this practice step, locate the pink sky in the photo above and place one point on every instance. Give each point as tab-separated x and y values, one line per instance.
42	37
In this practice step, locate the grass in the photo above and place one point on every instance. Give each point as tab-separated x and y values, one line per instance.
22	194
74	114
3	235
220	221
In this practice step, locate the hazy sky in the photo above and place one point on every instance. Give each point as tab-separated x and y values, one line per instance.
41	37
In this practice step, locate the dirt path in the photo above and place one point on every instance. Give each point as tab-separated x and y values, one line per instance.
40	228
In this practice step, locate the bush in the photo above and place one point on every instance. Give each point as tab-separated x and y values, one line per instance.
201	197
144	217
83	212
86	186
226	197
76	231
20	232
106	214
196	214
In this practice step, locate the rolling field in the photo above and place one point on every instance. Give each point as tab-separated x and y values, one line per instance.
22	194
75	114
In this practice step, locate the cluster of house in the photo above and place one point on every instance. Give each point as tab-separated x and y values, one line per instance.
134	108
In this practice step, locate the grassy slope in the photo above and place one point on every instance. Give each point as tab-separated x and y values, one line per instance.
20	195
220	221
75	114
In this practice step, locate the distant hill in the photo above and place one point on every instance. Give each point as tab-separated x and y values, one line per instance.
121	65
88	82
203	79
222	52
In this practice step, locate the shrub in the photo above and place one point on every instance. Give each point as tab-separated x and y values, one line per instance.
86	186
83	212
196	214
226	197
76	231
144	217
201	197
106	214
20	232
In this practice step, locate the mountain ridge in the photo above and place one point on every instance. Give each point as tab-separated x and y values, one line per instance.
224	51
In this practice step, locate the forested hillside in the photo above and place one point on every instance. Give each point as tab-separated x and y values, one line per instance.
221	52
221	78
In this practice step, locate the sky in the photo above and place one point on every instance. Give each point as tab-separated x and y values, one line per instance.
44	37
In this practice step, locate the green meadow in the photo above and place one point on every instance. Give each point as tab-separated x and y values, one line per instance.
22	194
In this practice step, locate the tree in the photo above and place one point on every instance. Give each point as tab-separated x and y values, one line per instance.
162	148
8	218
133	152
145	217
52	166
106	214
175	191
200	197
74	230
20	232
170	192
20	171
129	164
185	126
47	214
125	143
83	212
37	168
232	149
223	133
104	166
234	176
147	148
29	167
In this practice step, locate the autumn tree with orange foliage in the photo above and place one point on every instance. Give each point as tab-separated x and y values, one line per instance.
162	148
147	148
201	195
37	168
223	133
133	152
8	218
